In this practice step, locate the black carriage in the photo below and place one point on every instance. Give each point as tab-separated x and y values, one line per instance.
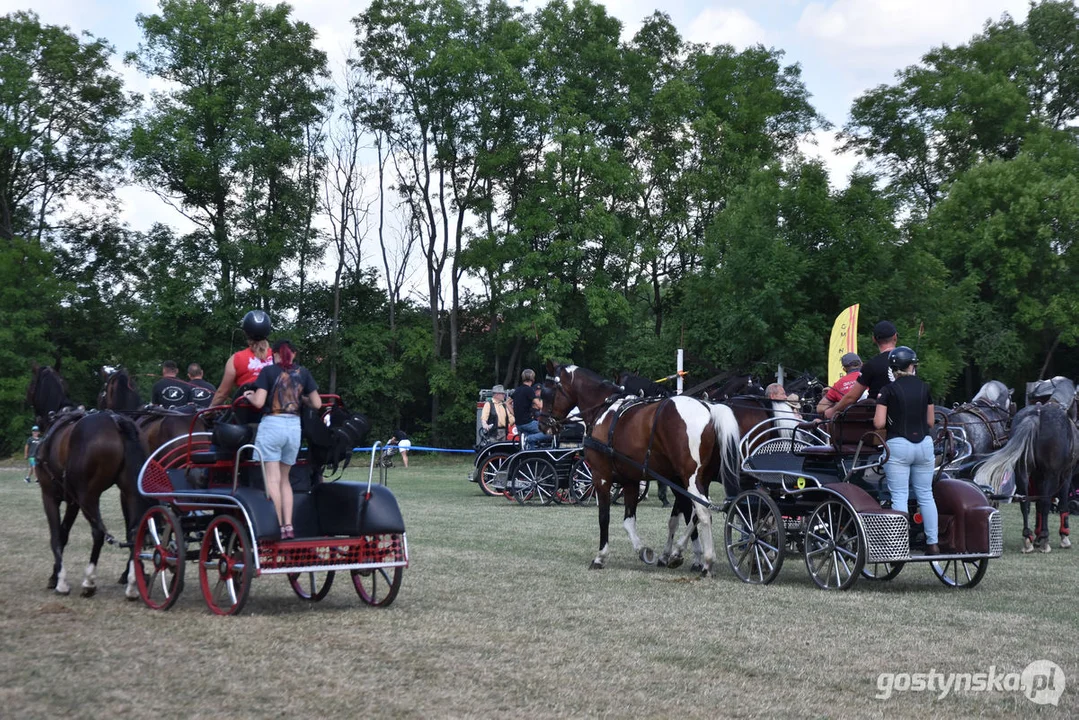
818	495
210	508
554	472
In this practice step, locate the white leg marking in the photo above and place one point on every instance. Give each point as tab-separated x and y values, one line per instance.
62	588
89	578
630	524
131	592
601	558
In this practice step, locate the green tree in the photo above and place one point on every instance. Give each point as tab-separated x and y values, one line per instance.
60	109
231	144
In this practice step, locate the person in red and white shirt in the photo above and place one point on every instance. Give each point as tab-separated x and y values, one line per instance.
852	369
243	367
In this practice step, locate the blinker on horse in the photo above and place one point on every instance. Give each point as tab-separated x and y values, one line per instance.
680	439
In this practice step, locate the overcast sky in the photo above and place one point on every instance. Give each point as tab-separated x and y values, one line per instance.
843	46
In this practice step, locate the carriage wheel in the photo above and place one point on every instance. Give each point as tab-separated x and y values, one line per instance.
160	552
535	478
225	566
488	469
580	481
881	571
378	587
755	538
960	573
310	585
834	546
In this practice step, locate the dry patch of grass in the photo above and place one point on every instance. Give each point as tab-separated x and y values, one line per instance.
498	615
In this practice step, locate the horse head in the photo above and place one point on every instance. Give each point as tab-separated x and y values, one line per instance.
995	394
119	392
570	386
47	393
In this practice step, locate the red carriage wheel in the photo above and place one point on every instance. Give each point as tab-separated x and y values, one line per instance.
378	586
160	552
311	585
489	469
226	565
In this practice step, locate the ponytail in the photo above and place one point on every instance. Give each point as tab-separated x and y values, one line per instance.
261	348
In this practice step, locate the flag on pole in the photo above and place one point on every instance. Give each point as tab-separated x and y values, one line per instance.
844	340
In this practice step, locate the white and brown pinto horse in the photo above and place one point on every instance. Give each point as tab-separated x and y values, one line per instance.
683	439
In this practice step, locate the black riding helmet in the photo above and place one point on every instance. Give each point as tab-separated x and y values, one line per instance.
902	357
256	325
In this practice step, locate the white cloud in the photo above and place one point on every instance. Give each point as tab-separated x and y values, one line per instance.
900	24
824	145
726	26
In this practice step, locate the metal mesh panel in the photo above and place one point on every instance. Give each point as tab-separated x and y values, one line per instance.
155	479
887	537
996	535
334	553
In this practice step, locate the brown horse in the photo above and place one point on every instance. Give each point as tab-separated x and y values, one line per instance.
156	425
81	456
681	439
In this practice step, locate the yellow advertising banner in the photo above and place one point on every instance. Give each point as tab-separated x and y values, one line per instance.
844	340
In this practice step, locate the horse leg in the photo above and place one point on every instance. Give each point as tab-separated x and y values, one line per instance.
58	579
1062	503
1041	540
672	555
629	496
603	499
1028	536
92	512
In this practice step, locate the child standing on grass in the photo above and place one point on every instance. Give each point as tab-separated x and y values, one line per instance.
29	452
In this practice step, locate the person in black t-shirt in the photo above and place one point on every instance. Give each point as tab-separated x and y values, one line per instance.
200	391
905	409
525	403
875	373
170	391
403	442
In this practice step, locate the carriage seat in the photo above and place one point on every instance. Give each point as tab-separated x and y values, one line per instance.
853	427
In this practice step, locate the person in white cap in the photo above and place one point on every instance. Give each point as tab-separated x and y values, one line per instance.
496	426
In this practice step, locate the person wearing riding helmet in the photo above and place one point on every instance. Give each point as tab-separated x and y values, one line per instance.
905	410
242	369
281	390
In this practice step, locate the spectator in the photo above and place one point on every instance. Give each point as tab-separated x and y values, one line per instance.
497	427
170	391
783	406
201	392
401	440
29	452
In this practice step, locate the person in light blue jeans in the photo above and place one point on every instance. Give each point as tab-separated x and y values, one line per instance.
905	408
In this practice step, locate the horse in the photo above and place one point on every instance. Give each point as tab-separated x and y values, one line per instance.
985	422
745	384
81	456
1059	390
1042	453
686	441
119	392
809	389
642	387
157	426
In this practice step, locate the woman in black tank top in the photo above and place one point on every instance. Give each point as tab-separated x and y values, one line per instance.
905	410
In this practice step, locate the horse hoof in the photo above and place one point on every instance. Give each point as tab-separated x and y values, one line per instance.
52	584
63	591
697	568
1065	543
1044	548
1028	546
647	556
88	591
595	566
675	562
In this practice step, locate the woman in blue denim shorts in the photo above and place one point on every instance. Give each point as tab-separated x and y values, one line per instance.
287	387
905	408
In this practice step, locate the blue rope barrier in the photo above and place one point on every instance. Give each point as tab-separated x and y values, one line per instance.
415	447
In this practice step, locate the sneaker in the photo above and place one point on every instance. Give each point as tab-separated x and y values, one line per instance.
27	479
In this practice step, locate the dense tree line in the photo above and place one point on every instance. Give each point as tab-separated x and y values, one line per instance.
564	193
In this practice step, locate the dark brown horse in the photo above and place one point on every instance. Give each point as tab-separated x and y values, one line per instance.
81	456
156	425
682	439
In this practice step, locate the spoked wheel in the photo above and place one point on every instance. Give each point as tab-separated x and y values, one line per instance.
488	469
160	552
834	546
225	566
311	585
881	571
378	587
580	481
755	538
960	573
535	478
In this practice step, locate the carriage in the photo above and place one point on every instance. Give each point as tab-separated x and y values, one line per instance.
554	472
819	495
209	507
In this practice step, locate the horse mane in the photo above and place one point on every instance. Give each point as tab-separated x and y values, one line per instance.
124	394
48	391
592	375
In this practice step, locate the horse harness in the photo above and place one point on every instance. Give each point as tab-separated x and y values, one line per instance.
1000	437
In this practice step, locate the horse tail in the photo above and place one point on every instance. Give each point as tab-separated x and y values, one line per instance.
1018	451
134	459
727	439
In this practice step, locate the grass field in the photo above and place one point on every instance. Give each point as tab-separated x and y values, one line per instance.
499	616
